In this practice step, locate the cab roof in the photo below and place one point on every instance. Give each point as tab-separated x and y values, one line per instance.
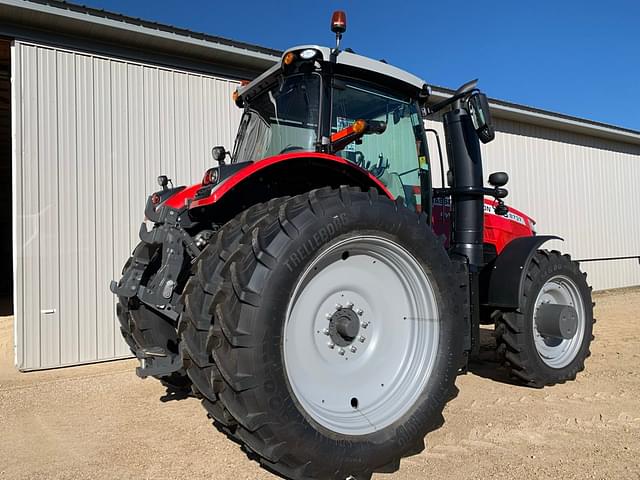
348	59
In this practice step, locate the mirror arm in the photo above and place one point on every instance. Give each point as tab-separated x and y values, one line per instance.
470	192
445	103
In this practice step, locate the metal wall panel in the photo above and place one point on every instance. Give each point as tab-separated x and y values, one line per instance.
90	136
91	133
582	188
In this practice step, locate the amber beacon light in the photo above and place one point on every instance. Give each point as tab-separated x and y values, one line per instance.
339	22
338	26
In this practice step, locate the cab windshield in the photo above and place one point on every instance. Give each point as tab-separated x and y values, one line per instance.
282	119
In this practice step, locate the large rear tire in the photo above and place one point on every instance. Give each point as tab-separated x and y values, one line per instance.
335	333
199	304
144	328
535	359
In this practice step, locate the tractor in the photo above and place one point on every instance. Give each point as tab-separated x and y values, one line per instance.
320	295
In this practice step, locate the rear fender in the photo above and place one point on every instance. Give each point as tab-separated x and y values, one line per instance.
502	280
278	176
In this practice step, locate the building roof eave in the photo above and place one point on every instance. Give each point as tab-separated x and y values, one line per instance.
82	22
61	19
545	118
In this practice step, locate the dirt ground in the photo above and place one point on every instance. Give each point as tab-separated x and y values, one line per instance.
102	422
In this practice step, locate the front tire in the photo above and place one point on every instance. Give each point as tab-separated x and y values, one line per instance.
535	359
309	409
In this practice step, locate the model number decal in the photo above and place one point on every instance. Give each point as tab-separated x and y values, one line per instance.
511	216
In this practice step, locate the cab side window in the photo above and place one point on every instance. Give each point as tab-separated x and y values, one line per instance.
392	156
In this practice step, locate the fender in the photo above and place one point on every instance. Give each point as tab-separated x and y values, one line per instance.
504	278
287	174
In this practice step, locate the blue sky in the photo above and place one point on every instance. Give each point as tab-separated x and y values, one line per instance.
580	58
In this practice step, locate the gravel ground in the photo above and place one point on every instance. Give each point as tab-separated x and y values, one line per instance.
102	422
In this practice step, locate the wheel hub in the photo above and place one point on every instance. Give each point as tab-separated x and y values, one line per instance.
344	326
559	321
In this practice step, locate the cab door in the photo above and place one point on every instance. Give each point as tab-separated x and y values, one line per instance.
397	157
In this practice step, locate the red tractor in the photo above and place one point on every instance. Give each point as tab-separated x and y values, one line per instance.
320	295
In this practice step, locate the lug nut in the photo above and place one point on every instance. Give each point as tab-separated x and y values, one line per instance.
325	331
341	351
359	311
331	345
338	306
365	324
362	338
354	349
349	304
328	316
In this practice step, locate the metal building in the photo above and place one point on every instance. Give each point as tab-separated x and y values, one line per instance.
576	178
99	104
99	109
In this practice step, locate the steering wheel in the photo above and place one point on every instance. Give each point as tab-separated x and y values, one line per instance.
291	148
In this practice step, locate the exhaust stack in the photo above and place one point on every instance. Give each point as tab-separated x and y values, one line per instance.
465	162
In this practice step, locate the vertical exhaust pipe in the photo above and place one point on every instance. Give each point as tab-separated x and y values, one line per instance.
465	164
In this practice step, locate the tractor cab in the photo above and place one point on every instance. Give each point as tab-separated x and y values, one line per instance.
320	100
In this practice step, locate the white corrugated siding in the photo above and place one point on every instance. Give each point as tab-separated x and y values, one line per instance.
92	133
581	188
90	136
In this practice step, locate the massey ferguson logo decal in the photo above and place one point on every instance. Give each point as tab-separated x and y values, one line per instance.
511	216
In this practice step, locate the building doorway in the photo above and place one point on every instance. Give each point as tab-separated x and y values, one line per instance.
6	207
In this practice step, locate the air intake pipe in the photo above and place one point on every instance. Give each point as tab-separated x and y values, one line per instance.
465	165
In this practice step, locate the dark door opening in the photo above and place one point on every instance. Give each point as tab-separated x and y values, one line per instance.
6	208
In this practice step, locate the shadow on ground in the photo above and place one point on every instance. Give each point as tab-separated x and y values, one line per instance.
173	394
487	363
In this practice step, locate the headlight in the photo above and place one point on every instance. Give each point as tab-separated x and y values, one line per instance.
308	54
211	177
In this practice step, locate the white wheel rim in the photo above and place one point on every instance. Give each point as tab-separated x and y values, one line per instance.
555	352
379	376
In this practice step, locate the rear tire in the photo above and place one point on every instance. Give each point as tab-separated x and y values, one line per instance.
194	324
253	389
533	359
142	327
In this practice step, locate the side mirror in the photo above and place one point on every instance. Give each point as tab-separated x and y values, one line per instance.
481	117
218	154
163	181
498	179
